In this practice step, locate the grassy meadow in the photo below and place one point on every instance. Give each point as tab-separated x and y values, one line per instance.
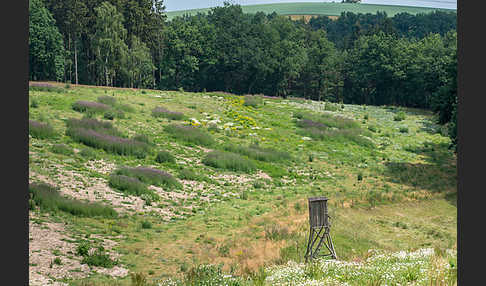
314	8
211	188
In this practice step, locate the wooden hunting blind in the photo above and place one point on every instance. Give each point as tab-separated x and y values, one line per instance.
319	229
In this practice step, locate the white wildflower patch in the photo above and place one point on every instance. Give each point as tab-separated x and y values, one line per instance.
306	138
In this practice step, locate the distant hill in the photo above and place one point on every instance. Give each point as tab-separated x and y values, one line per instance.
329	9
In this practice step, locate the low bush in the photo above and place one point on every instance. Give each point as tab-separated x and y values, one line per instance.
259	153
164	156
146	224
329	106
399	116
90	107
41	130
252	100
126	108
190	134
403	130
34	103
188	174
228	161
47	198
110	143
62	149
150	176
108	100
99	258
163	112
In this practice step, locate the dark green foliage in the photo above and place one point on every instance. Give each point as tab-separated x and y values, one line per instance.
57	261
34	103
46	50
207	275
360	176
83	248
253	100
190	134
62	149
403	129
99	258
146	224
41	130
164	156
163	112
150	176
228	161
259	153
47	198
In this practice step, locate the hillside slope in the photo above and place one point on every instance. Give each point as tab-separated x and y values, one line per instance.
197	178
313	8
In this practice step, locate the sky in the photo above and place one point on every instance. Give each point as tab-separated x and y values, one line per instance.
174	5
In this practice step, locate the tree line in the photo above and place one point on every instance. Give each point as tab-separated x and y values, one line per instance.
407	60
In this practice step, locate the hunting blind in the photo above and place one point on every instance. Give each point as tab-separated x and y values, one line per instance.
319	229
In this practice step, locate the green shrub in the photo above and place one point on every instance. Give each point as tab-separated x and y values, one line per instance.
164	156
146	224
34	103
259	153
252	100
83	248
41	130
329	106
228	161
99	258
190	134
110	115
62	149
57	261
403	129
126	108
372	129
399	116
48	199
142	138
150	176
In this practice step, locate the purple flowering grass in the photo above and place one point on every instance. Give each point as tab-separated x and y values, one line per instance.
164	112
90	106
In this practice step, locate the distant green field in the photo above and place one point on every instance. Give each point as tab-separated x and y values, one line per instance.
329	9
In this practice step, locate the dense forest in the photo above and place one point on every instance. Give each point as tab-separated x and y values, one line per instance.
406	60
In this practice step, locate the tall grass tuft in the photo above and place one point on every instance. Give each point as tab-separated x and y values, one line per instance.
150	176
62	149
90	106
190	134
164	112
228	161
41	130
259	153
47	198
